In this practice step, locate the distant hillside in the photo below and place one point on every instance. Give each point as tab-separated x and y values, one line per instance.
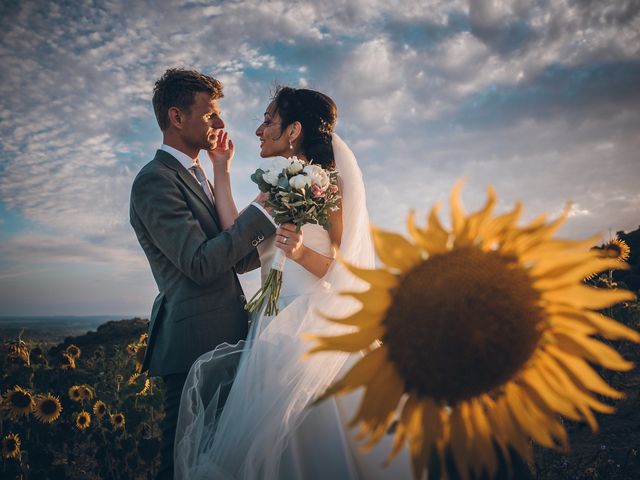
50	330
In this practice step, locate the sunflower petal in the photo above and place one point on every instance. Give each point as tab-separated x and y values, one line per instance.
581	370
457	211
394	250
587	297
375	300
593	350
605	326
377	277
360	374
425	238
361	318
351	342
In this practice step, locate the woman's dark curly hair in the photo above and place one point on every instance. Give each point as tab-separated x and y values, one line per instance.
317	113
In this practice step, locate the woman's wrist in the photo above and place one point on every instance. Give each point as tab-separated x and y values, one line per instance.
300	254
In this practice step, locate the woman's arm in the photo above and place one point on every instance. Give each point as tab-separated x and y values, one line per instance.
221	157
295	249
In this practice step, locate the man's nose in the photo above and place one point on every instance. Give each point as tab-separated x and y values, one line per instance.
217	123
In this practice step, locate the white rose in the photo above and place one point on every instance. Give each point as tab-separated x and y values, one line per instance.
280	163
266	165
271	177
317	174
300	181
295	166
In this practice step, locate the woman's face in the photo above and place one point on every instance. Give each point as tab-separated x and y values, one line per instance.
273	141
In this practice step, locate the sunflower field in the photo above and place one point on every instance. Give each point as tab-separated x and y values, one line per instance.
80	409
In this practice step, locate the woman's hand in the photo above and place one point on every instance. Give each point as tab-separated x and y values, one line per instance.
289	241
222	154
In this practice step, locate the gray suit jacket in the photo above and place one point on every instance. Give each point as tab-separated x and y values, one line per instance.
194	263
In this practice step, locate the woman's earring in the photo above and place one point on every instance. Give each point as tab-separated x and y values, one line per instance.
290	145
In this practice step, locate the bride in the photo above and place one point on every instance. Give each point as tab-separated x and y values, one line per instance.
246	410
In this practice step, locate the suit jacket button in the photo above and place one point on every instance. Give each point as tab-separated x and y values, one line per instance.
260	238
254	243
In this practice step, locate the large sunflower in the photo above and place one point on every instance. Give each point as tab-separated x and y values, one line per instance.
47	408
18	401
477	338
11	446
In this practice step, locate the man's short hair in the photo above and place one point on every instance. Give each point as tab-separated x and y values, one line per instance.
178	88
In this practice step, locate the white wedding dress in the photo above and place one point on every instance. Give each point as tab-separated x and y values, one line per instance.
268	429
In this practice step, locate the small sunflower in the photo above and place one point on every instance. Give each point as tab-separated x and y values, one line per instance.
75	393
17	402
87	392
147	389
18	349
615	248
99	409
139	358
133	378
11	446
47	408
478	338
67	362
83	420
73	351
117	420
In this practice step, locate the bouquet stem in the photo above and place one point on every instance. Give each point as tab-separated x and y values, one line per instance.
270	290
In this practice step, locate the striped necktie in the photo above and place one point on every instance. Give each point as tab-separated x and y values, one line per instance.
202	180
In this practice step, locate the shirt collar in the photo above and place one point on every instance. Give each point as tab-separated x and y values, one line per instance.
185	160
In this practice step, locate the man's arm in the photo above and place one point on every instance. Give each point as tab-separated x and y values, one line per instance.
161	207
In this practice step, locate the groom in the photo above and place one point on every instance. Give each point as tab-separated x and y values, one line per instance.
194	262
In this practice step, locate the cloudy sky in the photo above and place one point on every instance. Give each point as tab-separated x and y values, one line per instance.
539	98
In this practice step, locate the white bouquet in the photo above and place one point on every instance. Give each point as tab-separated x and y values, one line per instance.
299	193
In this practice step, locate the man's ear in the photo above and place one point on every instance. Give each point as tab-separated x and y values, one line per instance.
176	117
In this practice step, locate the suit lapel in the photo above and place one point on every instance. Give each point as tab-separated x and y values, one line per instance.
189	180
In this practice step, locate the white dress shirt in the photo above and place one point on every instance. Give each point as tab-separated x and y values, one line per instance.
187	162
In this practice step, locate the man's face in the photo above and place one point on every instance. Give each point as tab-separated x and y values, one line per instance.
202	123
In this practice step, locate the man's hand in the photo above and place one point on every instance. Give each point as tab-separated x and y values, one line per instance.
222	154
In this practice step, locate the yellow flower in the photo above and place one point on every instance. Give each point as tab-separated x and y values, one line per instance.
117	420
139	358
478	338
147	389
133	378
19	350
73	351
86	392
47	408
17	402
83	420
99	409
67	362
75	393
615	248
11	446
